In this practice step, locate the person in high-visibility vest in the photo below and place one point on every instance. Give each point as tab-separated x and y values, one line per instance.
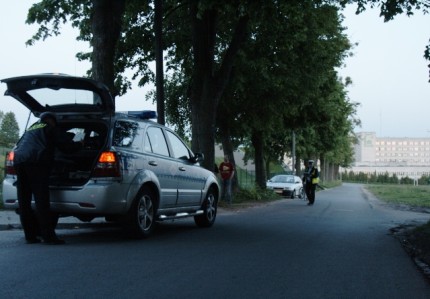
310	180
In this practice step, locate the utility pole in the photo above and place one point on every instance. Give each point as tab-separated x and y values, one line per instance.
293	152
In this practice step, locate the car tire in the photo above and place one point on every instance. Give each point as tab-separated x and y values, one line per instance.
209	207
140	221
301	195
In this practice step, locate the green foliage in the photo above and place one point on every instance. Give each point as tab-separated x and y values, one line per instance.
391	8
331	184
255	194
9	130
135	48
384	178
284	76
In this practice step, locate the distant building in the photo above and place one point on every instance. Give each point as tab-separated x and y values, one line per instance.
401	156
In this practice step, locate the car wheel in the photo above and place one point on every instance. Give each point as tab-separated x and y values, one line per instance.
293	195
209	207
301	195
141	216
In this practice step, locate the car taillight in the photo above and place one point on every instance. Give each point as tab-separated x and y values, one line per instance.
9	163
107	165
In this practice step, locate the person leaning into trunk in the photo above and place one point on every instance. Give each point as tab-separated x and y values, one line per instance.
33	159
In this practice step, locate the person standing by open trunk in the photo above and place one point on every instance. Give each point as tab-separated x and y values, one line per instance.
33	159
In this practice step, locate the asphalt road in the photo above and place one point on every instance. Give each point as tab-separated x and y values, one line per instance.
338	248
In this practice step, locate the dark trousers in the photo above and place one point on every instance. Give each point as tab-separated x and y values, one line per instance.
310	192
33	181
226	190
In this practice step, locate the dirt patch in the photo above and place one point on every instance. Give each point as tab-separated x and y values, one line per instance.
415	239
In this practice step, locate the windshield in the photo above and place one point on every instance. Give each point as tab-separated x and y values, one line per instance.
283	179
54	97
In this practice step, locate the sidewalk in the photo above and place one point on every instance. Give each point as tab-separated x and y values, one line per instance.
9	220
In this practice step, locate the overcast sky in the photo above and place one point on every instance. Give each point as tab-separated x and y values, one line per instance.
389	74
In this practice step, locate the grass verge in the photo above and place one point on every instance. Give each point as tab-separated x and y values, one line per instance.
415	196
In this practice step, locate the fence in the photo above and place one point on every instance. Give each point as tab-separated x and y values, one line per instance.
246	179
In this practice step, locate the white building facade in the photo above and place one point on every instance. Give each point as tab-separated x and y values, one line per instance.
401	156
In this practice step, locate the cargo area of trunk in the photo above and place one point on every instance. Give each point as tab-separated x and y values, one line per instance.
73	168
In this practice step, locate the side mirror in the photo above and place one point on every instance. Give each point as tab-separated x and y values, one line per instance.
198	157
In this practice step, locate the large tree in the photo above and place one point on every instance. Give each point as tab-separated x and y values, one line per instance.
281	80
211	70
101	23
9	130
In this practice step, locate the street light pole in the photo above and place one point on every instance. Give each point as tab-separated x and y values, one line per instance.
293	152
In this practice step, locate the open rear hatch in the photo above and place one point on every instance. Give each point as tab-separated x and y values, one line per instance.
60	94
83	108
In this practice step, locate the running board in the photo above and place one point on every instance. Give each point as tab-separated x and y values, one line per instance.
180	215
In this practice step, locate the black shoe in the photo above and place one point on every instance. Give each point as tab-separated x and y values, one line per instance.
54	241
309	204
33	241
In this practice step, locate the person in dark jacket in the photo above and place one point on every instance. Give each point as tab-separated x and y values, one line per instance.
33	158
310	180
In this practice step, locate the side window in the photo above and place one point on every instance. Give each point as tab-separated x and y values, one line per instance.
155	141
147	144
180	151
127	135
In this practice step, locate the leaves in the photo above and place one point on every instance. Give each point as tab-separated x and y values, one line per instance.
9	130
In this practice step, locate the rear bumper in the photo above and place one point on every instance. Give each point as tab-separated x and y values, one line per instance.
91	199
283	192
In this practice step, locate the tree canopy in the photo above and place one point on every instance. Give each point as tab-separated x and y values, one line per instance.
9	129
240	72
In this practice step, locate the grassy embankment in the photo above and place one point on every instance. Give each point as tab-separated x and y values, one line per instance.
415	196
418	237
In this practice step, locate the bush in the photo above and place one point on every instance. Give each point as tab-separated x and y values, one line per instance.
254	194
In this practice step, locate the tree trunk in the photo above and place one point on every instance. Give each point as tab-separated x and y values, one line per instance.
260	172
298	166
336	172
267	168
209	84
322	168
106	22
159	69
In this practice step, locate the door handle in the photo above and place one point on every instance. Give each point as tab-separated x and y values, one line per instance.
182	168
153	163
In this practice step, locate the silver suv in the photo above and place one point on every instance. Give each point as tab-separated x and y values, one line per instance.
131	169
